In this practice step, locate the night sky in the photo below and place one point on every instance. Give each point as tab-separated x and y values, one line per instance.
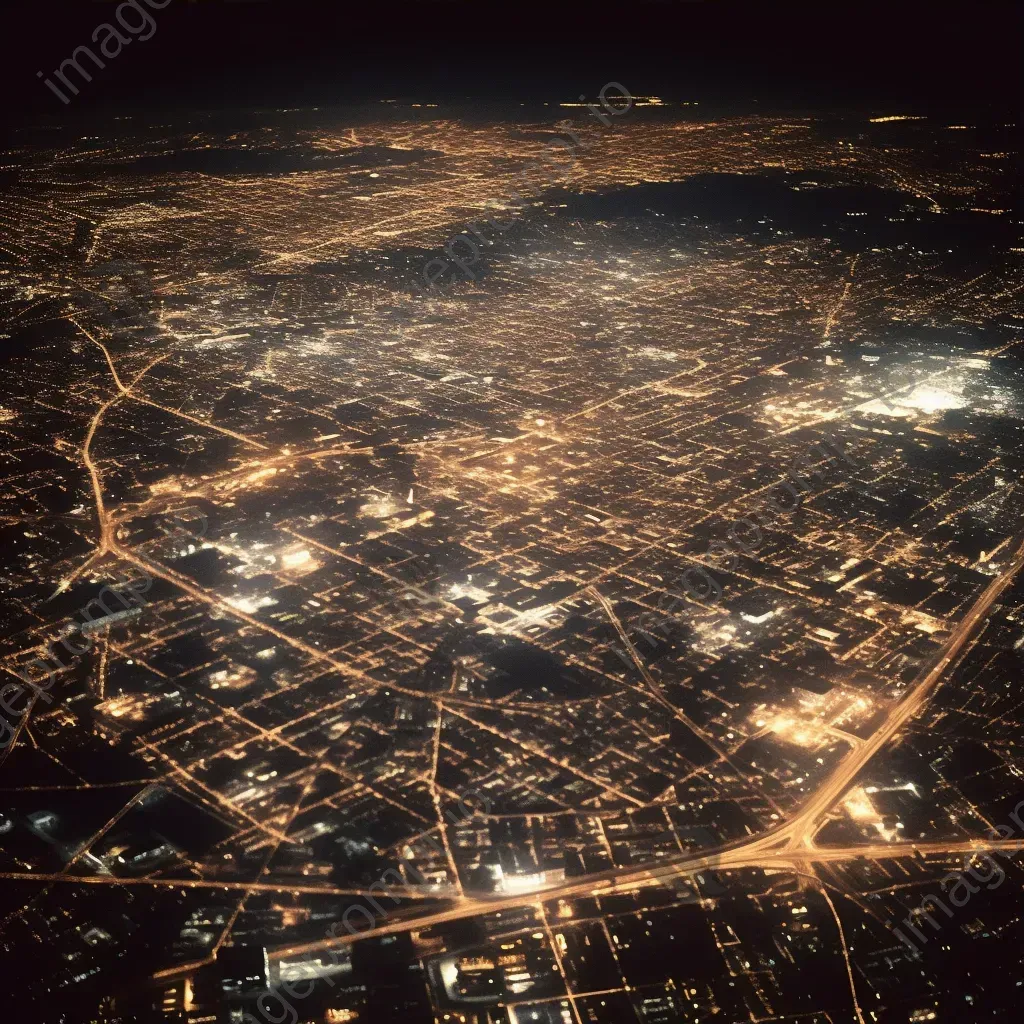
228	53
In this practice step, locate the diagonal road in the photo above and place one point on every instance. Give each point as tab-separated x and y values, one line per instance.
787	846
790	844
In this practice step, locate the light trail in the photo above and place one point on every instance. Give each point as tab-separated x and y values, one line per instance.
298	888
788	845
126	392
806	822
616	881
612	880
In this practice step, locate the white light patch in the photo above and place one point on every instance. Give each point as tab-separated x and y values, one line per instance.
295	559
381	508
650	352
931	400
250	604
477	594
